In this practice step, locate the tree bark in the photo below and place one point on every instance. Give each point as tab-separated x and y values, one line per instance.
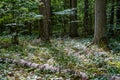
112	12
118	13
65	20
15	39
91	18
111	31
45	22
100	21
117	30
86	18
73	18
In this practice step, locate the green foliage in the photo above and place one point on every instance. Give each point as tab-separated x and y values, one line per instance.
66	54
115	45
63	52
18	11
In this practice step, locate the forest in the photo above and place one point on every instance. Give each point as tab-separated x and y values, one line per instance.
59	39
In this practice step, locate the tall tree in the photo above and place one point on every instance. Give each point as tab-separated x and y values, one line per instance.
118	12
45	22
73	17
100	22
91	18
65	18
112	12
86	18
111	31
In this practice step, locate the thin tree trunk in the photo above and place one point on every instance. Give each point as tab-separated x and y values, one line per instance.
73	18
112	13
117	30
30	27
45	22
65	20
118	12
111	31
86	18
91	19
14	38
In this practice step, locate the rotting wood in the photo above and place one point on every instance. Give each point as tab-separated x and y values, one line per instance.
44	67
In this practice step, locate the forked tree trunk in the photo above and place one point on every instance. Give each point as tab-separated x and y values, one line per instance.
45	22
100	22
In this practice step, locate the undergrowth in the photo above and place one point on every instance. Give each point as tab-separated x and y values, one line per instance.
65	53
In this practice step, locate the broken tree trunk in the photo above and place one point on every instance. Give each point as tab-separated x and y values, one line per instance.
44	67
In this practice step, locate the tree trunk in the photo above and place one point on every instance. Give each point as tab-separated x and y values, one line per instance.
117	30
112	12
30	28
91	18
73	18
118	13
1	29
100	22
86	18
45	22
111	31
14	38
65	20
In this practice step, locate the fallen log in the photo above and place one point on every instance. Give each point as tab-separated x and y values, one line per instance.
44	67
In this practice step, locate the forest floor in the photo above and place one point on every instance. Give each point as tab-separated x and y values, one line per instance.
65	53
